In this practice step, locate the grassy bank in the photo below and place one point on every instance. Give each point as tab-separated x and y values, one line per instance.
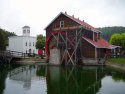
117	63
117	60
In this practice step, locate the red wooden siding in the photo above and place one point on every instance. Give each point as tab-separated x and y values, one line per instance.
88	50
56	24
88	34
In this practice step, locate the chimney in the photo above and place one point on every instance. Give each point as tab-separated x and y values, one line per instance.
73	16
78	18
65	12
83	20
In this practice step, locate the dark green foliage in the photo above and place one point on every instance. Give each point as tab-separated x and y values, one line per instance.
4	38
40	37
108	31
40	44
2	41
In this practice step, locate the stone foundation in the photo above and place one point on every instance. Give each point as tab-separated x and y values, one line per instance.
54	56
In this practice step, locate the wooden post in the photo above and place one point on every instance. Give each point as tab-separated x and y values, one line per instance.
76	45
95	53
66	48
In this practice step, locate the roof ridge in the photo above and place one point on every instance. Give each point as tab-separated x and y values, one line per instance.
83	23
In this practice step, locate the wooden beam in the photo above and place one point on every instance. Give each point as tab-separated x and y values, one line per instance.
95	53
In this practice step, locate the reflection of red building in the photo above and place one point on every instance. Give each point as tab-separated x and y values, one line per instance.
75	39
70	80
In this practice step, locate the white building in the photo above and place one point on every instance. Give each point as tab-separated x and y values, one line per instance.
24	43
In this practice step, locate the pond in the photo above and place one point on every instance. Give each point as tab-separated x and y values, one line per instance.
39	79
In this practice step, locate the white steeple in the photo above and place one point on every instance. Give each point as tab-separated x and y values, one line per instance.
26	31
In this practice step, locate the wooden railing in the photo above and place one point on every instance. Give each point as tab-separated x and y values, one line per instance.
12	54
7	56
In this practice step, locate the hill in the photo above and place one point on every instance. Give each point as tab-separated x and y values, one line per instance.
108	31
4	38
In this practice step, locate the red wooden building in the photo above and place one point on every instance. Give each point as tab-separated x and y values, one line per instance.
76	41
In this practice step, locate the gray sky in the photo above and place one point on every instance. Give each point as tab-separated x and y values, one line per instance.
14	14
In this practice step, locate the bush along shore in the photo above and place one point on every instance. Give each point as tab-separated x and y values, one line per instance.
118	63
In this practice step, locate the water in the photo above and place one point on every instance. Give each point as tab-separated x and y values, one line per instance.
38	79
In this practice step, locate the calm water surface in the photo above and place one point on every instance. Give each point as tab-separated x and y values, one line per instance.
38	79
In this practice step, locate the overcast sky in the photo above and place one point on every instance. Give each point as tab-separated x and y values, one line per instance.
37	14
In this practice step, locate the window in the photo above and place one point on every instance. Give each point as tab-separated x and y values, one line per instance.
98	35
33	43
30	50
29	43
24	31
26	43
61	23
28	31
33	51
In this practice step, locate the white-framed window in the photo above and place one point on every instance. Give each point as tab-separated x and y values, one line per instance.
29	43
99	35
24	31
33	43
26	43
61	23
30	51
28	31
33	51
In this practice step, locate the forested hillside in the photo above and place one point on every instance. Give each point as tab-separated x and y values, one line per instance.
108	31
4	38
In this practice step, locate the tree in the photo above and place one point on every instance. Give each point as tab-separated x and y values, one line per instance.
4	38
107	32
2	41
40	36
118	39
40	44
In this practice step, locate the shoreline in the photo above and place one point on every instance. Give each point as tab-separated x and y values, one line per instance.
31	61
120	67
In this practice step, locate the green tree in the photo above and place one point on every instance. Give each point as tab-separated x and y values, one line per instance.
40	44
4	38
40	36
118	39
2	41
123	40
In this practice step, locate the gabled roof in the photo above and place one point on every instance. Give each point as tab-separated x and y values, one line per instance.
101	43
82	23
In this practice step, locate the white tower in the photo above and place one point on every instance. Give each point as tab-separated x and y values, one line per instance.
26	31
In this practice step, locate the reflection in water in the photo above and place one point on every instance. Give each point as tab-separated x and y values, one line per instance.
24	74
74	80
3	75
24	79
36	79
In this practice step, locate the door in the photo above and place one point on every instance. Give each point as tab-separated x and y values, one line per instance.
29	51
